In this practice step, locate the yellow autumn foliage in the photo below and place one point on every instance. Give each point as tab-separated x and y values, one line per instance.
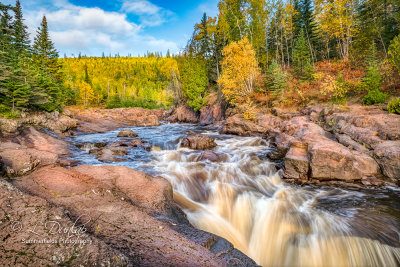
240	71
140	78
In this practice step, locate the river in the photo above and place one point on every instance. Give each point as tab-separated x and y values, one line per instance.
242	198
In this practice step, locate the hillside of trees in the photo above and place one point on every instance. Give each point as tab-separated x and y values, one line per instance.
294	52
254	53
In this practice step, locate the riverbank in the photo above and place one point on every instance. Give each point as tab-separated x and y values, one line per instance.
86	215
131	218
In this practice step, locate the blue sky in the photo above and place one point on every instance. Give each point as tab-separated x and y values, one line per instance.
125	26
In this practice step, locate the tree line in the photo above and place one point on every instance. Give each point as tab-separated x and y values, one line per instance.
30	76
254	52
295	51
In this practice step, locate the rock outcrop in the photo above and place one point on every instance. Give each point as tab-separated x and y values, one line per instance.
198	141
238	125
127	217
31	149
102	120
329	143
55	122
182	113
213	111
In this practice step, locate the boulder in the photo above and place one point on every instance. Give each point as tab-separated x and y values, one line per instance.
10	127
127	133
238	125
297	162
330	160
199	142
18	162
279	144
183	114
136	142
388	157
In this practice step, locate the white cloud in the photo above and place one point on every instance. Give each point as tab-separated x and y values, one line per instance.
149	14
91	31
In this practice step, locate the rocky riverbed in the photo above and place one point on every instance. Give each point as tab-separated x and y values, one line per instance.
131	217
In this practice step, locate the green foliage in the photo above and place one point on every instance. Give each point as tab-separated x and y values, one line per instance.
194	80
394	106
394	52
373	80
374	97
276	79
301	57
116	102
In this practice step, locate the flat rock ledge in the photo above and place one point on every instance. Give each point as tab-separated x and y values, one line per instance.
94	215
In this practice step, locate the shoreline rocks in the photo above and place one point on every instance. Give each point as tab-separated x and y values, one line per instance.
54	121
352	144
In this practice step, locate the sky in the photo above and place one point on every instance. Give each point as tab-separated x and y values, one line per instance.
116	26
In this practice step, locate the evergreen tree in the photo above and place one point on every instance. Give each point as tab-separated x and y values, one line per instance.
49	75
45	54
301	57
305	21
5	54
373	80
21	38
204	39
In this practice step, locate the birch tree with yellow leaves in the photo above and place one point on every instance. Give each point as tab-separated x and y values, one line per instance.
240	71
337	20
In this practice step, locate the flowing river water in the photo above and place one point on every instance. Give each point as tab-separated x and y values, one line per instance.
242	198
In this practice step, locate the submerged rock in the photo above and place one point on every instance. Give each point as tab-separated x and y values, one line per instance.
198	142
210	155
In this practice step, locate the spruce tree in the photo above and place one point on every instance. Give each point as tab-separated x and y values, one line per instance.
301	57
21	37
48	69
45	53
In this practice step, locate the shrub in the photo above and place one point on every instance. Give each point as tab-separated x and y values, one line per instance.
394	106
249	110
394	52
374	97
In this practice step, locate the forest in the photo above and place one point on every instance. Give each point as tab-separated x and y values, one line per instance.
253	53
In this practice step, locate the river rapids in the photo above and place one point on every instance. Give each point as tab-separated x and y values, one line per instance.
243	199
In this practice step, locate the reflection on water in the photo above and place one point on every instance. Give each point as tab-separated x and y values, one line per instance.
242	198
